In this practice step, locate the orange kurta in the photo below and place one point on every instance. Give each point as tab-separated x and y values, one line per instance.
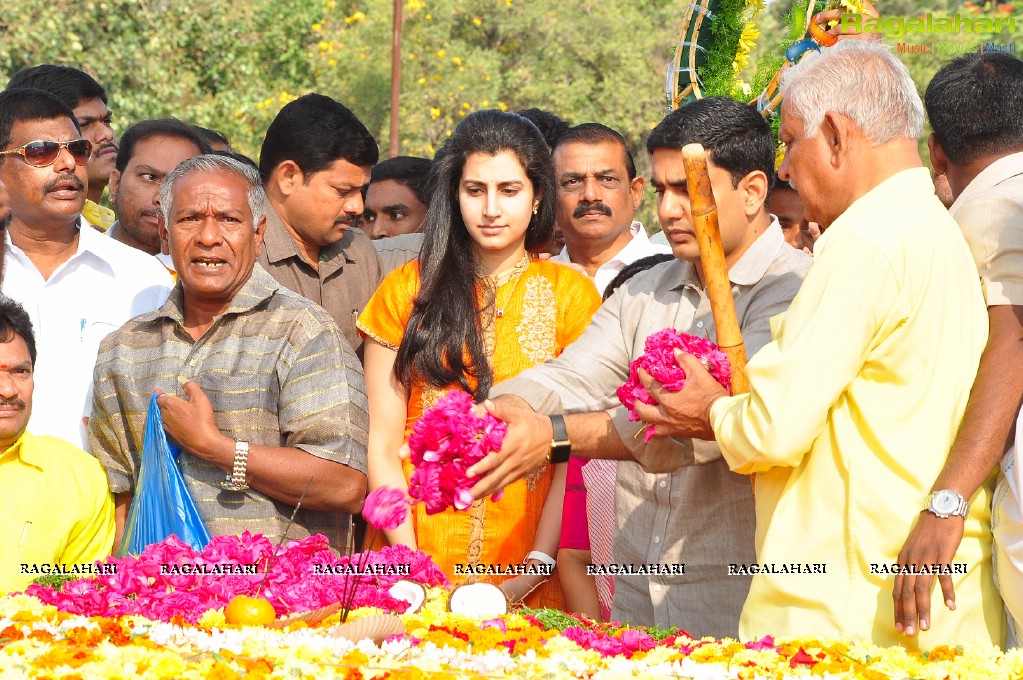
543	308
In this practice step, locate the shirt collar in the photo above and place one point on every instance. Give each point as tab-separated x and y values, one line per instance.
994	174
639	239
752	265
259	288
279	244
92	245
29	455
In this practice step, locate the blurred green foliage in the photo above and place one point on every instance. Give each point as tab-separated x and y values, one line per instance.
231	65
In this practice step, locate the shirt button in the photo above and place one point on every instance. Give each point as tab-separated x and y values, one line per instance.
657	539
699	324
662	484
657	588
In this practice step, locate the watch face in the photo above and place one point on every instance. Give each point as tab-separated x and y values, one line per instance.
945	502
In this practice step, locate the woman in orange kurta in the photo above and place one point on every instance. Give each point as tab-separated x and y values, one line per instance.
475	310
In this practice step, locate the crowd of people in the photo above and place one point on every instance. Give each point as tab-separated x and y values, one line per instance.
296	315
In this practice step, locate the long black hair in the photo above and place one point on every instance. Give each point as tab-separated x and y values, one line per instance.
443	341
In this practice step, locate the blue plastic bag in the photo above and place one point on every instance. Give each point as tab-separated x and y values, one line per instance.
162	505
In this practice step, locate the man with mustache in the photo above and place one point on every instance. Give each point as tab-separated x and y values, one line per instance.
315	163
57	507
76	284
88	100
150	149
598	193
271	398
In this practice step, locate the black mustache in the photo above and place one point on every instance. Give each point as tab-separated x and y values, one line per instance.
585	207
103	147
15	402
73	179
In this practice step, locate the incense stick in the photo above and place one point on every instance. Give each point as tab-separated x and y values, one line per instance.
284	535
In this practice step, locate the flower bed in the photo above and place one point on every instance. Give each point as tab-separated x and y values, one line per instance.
38	640
143	622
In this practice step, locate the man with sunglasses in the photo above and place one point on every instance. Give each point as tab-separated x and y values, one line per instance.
88	100
76	284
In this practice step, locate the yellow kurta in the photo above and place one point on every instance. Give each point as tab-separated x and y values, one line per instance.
545	307
850	416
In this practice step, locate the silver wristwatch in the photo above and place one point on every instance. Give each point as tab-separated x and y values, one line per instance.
945	503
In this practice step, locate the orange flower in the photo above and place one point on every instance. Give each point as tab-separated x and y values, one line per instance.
221	671
11	633
60	656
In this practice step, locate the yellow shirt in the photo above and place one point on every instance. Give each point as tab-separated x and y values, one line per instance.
851	413
57	509
98	216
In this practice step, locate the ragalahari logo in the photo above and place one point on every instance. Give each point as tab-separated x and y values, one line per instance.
897	27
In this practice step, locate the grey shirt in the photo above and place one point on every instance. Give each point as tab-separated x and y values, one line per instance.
678	503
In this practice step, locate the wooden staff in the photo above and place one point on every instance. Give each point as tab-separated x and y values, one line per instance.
712	257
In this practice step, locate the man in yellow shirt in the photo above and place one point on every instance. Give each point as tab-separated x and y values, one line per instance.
58	511
853	407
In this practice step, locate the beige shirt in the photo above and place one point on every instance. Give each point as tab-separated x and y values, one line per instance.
700	515
348	274
395	251
990	214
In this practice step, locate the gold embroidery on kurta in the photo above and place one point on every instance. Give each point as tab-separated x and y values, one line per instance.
538	323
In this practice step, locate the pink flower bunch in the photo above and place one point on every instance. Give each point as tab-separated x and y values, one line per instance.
385	508
624	642
445	442
659	361
300	579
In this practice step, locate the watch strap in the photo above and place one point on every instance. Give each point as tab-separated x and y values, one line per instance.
236	481
561	446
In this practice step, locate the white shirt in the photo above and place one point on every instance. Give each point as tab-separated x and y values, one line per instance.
638	248
93	293
163	258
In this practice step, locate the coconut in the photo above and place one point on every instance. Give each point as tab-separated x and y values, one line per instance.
410	592
481	600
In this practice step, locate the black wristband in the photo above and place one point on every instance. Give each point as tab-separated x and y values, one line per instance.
561	447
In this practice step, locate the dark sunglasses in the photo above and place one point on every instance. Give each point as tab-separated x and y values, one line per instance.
40	154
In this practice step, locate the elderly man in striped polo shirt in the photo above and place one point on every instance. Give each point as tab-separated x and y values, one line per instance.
260	389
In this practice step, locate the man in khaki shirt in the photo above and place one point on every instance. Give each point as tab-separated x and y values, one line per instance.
314	163
699	515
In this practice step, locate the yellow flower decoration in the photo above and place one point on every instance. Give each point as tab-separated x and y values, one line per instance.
434	113
748	39
213	618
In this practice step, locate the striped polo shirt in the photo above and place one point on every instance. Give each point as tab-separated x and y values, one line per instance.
277	372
